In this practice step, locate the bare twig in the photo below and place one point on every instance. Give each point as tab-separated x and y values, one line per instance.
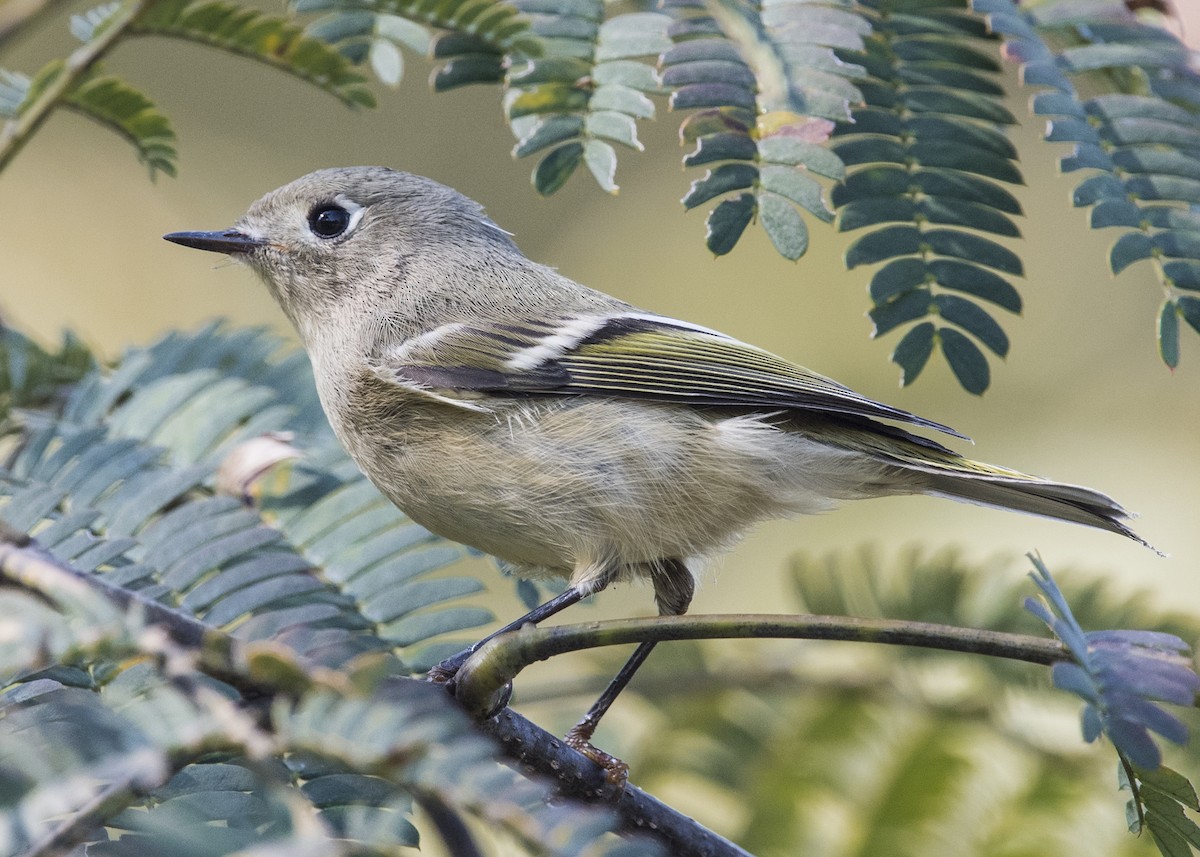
499	660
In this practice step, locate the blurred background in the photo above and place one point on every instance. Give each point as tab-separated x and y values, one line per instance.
1083	396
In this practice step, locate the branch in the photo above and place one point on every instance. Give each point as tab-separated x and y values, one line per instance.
538	751
16	132
499	660
222	656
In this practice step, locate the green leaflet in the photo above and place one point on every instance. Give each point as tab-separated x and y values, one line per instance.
723	179
967	362
722	147
785	227
552	171
728	221
913	350
1168	334
795	186
905	307
601	160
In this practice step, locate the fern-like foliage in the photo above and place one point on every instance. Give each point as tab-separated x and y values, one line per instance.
268	39
922	586
927	160
906	90
764	87
102	98
759	86
366	36
1161	801
80	84
1120	675
481	54
129	479
140	753
586	91
127	112
158	477
373	31
907	747
31	376
1125	94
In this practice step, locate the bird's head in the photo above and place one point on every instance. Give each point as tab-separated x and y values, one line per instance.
343	242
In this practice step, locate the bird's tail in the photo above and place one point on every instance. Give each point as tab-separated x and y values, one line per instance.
928	467
974	482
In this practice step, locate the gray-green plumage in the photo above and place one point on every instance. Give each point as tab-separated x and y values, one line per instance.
567	432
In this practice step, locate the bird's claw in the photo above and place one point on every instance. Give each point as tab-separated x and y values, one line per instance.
443	673
616	772
446	675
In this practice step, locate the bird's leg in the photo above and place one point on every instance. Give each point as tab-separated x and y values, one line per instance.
579	737
444	672
673	590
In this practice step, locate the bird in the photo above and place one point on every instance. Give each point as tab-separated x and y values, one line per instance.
564	431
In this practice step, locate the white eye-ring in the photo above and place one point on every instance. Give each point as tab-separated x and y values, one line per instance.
334	219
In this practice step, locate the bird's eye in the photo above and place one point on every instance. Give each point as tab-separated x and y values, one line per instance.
328	221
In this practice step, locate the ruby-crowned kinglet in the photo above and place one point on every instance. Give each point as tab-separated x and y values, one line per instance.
560	429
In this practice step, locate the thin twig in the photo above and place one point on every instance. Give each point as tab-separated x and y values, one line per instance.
16	132
499	660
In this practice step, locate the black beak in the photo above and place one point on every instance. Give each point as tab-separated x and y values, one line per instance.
227	241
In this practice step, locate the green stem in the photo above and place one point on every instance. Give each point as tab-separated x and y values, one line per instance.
16	132
498	661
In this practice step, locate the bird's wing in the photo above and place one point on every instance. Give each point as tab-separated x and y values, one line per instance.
628	355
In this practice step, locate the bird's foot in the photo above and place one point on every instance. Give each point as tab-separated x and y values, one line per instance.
446	674
579	738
